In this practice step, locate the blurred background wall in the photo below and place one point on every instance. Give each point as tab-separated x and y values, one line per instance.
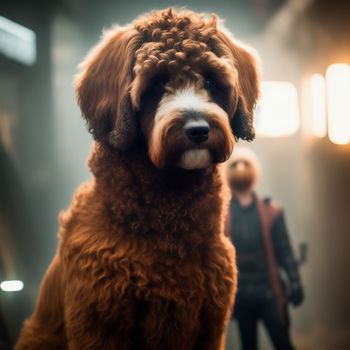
44	145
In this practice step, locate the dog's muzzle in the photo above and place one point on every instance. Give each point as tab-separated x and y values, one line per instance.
197	130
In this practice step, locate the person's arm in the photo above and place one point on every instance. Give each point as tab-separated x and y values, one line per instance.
286	259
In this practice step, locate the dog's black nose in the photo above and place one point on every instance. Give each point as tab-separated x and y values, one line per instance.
197	130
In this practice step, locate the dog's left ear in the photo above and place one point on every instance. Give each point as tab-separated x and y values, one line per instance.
102	87
248	86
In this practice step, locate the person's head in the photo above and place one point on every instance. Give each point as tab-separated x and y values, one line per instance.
243	170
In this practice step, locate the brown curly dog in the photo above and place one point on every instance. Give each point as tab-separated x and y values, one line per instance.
143	262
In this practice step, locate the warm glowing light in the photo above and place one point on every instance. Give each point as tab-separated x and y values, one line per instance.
338	103
277	113
11	286
318	105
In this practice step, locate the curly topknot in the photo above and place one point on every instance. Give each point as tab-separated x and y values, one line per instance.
173	38
177	25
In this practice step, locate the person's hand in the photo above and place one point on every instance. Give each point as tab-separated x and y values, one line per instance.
296	295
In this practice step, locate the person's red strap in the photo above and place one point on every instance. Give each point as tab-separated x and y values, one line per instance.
267	216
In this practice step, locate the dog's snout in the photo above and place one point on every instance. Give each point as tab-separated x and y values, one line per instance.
197	130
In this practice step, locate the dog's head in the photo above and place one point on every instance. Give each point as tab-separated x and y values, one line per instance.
178	80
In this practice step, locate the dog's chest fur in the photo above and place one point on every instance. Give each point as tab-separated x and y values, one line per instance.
152	243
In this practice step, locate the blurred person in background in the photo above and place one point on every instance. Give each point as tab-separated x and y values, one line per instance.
258	231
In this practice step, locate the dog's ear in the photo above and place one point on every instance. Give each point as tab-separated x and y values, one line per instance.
248	86
242	123
102	87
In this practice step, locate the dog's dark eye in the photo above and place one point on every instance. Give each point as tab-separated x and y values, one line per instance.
218	90
157	87
209	84
153	92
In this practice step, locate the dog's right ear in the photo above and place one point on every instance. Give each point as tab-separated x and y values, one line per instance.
102	87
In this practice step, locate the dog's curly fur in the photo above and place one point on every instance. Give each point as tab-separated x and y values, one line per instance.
143	262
